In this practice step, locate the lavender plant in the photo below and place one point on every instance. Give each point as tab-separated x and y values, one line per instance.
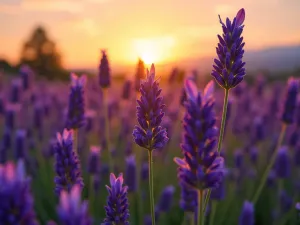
149	134
229	68
117	212
104	81
75	114
201	168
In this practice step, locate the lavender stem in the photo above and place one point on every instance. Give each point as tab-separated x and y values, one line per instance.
107	131
151	186
270	165
220	139
200	220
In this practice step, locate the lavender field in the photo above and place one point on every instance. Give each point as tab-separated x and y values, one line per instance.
165	149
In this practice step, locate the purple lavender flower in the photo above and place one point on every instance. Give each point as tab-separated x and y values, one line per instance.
150	134
6	138
75	114
17	206
104	71
145	171
201	167
126	90
229	68
94	160
238	158
67	164
283	163
219	192
15	91
290	101
247	214
166	198
130	175
188	199
140	74
285	201
253	155
25	73
294	138
117	209
10	117
71	210
20	145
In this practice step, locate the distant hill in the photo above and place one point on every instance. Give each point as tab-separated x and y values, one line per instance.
274	59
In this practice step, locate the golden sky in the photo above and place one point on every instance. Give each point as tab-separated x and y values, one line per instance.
157	30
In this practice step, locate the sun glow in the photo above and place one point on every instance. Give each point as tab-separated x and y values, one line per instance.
155	50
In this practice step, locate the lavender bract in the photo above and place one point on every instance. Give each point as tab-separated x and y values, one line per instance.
202	167
71	210
150	134
247	214
75	114
67	166
104	71
94	160
117	209
290	103
229	68
130	175
17	206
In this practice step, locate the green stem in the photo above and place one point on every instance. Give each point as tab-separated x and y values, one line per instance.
151	186
270	165
192	219
213	212
75	140
107	131
200	220
223	121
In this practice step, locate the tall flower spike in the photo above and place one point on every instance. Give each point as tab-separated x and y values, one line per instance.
150	134
67	165
201	168
247	214
75	114
229	68
283	163
140	74
290	101
17	206
71	210
166	198
104	71
130	175
117	209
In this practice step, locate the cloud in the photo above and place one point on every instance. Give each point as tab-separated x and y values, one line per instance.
87	26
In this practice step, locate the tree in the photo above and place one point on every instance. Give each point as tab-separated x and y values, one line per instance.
40	53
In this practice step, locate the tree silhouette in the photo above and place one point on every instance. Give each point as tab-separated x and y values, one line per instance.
40	53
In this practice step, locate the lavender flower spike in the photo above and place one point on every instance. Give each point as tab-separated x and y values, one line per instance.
247	215
117	209
17	206
104	71
150	134
71	210
229	68
75	114
201	168
290	101
67	164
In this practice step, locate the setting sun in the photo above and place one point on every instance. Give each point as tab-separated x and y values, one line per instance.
153	50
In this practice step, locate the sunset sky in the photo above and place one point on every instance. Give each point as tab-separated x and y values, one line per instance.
157	30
